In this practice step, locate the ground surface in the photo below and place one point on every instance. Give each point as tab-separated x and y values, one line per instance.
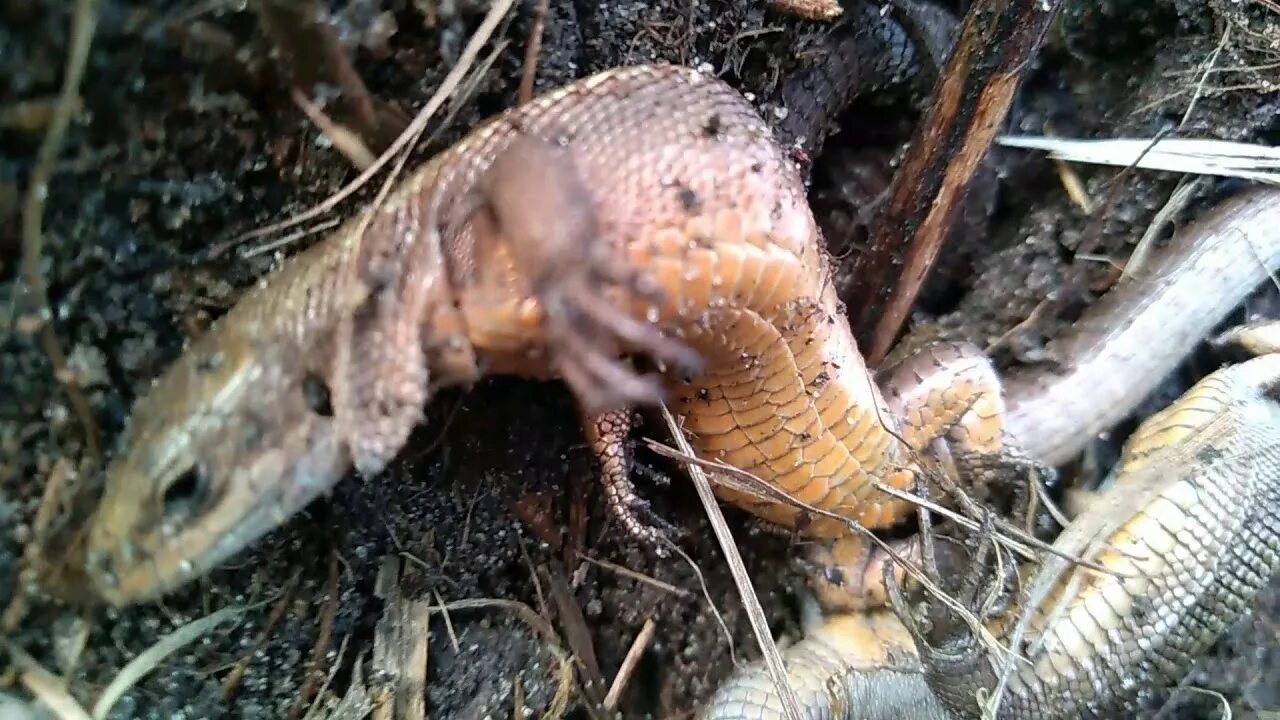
185	141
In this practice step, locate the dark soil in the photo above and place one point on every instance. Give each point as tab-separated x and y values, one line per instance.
188	139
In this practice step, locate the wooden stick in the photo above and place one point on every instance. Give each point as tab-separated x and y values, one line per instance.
997	41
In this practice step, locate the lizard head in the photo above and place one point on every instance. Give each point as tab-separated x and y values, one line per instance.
229	443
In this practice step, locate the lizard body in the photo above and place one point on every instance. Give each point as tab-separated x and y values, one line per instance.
643	210
698	251
1189	530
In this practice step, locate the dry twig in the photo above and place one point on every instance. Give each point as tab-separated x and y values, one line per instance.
759	624
315	670
970	101
638	646
411	134
83	24
531	50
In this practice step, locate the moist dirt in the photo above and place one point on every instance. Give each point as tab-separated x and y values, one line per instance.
187	138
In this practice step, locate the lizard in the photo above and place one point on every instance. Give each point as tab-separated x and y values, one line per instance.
137	549
1208	465
696	249
1189	527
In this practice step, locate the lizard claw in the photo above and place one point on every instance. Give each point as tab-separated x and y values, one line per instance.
588	337
607	433
640	521
537	202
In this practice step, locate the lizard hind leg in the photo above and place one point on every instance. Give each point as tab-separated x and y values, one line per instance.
948	402
608	434
947	390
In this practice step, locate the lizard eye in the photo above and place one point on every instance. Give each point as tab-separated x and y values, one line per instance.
317	395
187	492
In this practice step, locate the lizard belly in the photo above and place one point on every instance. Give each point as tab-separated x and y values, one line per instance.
786	397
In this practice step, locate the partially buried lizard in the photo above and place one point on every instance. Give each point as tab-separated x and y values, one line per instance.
644	210
1190	519
1186	533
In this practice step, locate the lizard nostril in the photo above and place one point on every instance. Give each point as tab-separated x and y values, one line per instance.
102	567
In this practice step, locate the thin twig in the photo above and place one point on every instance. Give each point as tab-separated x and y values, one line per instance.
759	624
448	622
1178	200
637	576
345	141
531	50
83	24
620	681
232	681
970	101
410	136
1209	63
328	680
315	674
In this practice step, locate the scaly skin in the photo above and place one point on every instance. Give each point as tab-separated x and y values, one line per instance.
643	210
1190	527
1222	434
1135	335
697	237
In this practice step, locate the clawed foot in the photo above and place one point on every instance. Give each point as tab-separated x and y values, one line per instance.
588	336
948	621
639	519
1009	482
608	433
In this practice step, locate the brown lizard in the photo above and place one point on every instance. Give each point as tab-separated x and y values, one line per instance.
269	409
668	221
1225	430
1187	532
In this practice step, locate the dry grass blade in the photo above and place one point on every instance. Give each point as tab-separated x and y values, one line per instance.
637	576
746	482
44	685
759	625
131	673
411	133
1222	158
84	21
345	141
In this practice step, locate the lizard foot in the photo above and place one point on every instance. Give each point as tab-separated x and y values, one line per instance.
537	203
846	575
1010	482
947	624
588	336
608	434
